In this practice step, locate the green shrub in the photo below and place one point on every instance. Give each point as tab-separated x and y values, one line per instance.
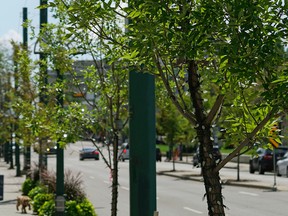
40	199
85	208
27	185
37	190
71	208
47	209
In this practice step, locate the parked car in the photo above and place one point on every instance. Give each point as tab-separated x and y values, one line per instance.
282	166
158	155
123	152
262	161
216	154
88	153
51	150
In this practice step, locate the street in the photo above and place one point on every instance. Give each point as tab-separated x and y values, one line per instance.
175	197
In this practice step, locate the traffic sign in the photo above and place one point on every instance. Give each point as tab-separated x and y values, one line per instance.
274	135
274	143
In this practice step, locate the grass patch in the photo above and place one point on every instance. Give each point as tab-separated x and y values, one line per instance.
163	148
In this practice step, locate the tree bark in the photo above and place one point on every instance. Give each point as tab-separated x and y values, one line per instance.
114	176
203	127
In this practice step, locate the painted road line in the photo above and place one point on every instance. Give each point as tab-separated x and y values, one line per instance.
193	210
248	193
125	188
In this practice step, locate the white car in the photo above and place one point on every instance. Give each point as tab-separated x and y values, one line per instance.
282	166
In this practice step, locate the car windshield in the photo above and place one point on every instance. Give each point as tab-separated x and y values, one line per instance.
278	151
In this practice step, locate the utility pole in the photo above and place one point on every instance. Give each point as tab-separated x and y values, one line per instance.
142	139
44	74
27	149
60	199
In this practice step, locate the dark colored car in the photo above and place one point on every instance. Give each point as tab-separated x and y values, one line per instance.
51	150
262	161
158	155
216	154
88	153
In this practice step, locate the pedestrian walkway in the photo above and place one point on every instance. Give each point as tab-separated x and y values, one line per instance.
254	180
12	189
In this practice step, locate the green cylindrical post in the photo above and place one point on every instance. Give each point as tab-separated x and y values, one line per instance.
44	74
60	199
142	144
6	152
27	151
17	160
25	30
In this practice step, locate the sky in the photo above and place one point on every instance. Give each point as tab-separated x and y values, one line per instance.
11	16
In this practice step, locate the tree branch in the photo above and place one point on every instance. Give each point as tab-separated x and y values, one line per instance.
246	140
213	112
188	115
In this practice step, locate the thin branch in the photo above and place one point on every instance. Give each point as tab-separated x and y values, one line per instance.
189	116
246	141
213	112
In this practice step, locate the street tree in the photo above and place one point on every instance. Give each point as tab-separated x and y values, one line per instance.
6	90
102	77
205	52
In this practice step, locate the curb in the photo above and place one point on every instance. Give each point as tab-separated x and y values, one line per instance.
230	182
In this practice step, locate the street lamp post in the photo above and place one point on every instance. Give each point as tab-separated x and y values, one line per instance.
60	199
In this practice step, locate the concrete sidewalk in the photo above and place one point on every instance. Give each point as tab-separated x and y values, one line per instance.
12	189
254	181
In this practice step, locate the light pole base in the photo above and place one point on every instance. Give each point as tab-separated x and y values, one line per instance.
60	205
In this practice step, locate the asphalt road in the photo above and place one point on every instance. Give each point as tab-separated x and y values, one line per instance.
175	197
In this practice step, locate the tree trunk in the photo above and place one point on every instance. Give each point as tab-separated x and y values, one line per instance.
114	176
208	163
211	179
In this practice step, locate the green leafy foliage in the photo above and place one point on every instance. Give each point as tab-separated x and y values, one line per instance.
85	208
40	199
27	186
41	189
43	198
72	208
47	209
